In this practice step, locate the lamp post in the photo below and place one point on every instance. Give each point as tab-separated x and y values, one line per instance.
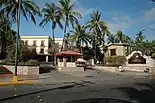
15	78
147	29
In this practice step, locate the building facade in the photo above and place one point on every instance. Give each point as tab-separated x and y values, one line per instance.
42	44
116	49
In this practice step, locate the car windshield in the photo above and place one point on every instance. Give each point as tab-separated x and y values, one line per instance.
77	51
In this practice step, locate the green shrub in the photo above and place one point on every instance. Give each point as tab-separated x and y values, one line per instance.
7	62
153	55
32	63
21	63
28	63
115	60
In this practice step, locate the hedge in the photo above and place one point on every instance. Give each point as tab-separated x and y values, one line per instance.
115	60
28	63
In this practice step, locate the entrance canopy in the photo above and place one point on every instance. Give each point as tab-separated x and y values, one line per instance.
68	53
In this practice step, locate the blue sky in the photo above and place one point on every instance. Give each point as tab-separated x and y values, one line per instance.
130	16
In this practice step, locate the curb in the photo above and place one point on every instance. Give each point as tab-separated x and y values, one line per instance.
17	83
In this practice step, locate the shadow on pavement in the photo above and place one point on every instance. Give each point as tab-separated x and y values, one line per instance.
46	69
100	100
74	84
142	93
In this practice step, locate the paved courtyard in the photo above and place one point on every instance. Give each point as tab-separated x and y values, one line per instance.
58	87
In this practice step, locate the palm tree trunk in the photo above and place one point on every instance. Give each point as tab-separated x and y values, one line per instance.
81	44
54	59
63	43
95	48
17	41
1	49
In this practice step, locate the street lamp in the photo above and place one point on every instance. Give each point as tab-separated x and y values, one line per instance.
147	29
15	78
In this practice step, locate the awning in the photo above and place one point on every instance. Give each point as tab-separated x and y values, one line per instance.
68	53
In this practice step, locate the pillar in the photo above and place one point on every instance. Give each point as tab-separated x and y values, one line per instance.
46	58
64	61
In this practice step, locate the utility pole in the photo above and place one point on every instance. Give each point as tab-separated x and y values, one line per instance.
15	78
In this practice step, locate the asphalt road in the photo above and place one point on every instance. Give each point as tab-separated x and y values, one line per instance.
92	87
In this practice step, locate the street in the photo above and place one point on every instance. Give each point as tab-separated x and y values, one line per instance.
58	87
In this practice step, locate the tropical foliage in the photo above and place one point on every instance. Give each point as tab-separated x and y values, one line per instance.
80	36
7	35
28	8
69	16
89	38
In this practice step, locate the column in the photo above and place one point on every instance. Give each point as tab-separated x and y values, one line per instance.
46	58
64	62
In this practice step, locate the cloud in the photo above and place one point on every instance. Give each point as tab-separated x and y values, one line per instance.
119	23
150	15
84	11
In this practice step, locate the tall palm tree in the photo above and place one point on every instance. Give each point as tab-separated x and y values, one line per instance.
80	36
51	14
120	37
97	28
13	9
69	16
27	8
140	37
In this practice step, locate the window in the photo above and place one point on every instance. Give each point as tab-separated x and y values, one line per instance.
34	43
26	42
112	52
41	50
42	43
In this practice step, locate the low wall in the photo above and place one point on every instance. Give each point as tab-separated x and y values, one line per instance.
70	69
68	64
71	64
138	68
24	70
106	68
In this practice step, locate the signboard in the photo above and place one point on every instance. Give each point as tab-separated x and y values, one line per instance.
137	59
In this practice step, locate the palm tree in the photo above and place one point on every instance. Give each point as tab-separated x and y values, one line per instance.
120	37
80	36
27	8
69	16
52	14
13	9
98	29
140	37
111	38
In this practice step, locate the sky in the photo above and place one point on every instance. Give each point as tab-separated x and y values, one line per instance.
129	16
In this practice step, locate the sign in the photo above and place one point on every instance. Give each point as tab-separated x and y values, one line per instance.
137	59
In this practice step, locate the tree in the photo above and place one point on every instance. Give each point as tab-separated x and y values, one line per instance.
13	8
120	37
98	29
52	14
80	36
28	9
111	38
140	37
24	54
69	16
7	35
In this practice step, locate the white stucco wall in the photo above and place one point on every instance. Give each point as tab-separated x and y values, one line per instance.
24	70
38	40
120	50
